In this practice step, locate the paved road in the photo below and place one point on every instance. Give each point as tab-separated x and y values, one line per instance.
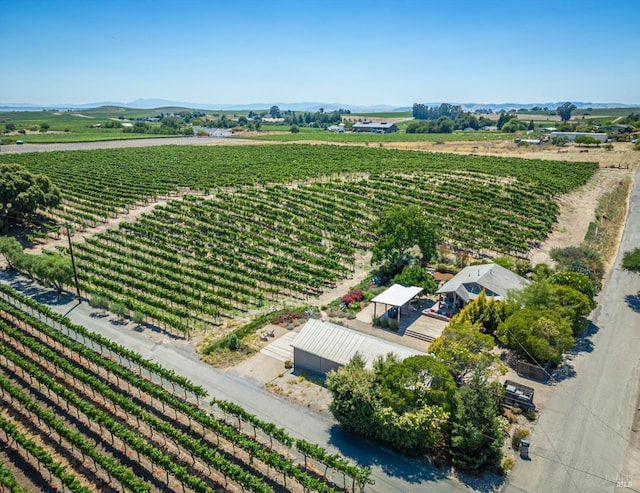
581	438
392	472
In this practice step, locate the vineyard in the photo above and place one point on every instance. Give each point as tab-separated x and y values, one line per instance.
82	414
257	225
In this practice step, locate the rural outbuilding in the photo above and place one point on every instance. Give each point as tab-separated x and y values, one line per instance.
322	346
373	127
571	136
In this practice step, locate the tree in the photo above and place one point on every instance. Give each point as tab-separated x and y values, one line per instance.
274	111
414	382
354	404
486	314
400	229
10	250
631	260
53	269
294	129
539	335
564	111
10	127
476	435
576	280
22	193
464	349
531	125
44	127
414	275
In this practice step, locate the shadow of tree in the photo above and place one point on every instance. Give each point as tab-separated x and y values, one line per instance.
367	453
485	483
583	344
633	301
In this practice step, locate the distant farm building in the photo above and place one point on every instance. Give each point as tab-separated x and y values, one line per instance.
616	129
373	127
322	346
571	136
336	128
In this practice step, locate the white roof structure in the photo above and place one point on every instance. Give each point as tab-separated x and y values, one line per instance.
493	278
339	344
397	295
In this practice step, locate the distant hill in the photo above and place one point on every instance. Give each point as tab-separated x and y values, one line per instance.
300	106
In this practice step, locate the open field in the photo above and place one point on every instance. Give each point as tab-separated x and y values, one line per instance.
373	139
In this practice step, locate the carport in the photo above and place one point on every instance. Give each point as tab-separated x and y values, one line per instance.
397	296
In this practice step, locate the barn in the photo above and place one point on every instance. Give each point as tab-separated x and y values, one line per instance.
571	136
322	346
373	127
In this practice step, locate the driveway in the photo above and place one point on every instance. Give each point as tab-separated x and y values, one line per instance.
582	438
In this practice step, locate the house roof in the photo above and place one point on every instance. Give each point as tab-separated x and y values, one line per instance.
339	344
493	278
397	295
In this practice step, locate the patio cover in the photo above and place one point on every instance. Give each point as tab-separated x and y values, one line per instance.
397	295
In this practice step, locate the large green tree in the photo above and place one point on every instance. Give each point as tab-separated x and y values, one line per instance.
564	111
354	403
539	335
22	193
464	349
403	404
476	435
50	268
400	229
578	281
414	275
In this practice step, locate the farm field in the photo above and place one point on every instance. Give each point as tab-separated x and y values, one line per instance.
255	226
282	134
82	414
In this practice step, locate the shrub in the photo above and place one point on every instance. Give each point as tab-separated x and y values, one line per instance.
531	415
353	297
519	435
99	302
288	364
507	464
233	343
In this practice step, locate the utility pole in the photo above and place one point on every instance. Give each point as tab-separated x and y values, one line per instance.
73	264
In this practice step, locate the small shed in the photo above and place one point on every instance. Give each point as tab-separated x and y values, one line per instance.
322	346
398	296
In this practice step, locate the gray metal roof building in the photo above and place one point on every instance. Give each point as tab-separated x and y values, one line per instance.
323	346
382	127
467	284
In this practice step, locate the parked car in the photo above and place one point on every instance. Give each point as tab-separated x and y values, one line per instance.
19	142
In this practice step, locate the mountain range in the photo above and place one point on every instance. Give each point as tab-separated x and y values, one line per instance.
300	106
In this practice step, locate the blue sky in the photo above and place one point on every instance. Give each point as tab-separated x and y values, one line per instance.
394	52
